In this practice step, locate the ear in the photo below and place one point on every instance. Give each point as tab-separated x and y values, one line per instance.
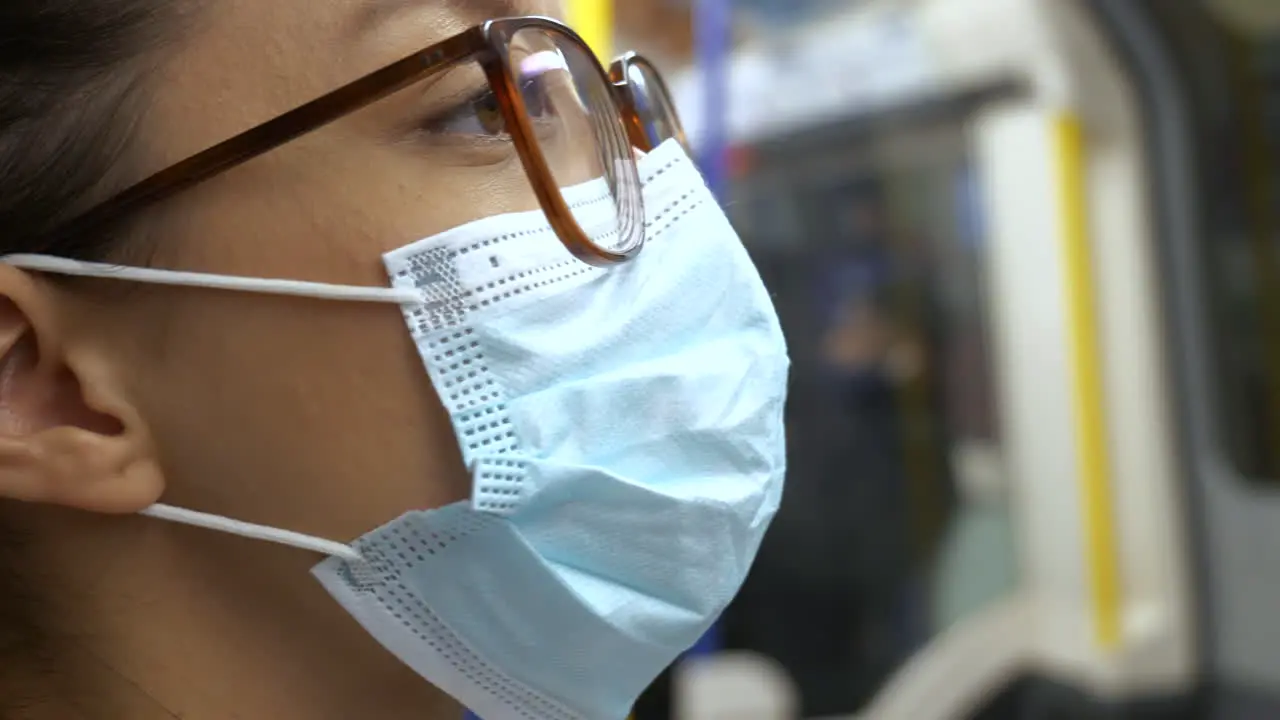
69	434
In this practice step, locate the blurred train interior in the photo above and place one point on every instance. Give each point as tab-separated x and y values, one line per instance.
1027	258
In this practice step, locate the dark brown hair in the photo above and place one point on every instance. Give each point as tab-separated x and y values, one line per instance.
72	80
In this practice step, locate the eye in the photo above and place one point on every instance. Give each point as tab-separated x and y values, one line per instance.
478	115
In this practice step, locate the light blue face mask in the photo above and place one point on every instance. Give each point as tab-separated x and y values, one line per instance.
624	430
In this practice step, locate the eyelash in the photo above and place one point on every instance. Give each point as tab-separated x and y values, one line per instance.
482	106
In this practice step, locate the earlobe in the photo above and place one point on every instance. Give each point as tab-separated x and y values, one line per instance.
68	434
79	469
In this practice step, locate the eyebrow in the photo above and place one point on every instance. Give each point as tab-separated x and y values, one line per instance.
373	13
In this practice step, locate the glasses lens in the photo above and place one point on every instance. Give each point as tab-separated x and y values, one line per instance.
653	104
579	130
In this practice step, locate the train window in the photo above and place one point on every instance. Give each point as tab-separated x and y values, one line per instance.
1242	242
896	522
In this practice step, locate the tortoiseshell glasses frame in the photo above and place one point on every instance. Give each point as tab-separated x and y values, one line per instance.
649	108
489	45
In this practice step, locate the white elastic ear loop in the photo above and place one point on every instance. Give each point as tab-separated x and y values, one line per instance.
253	532
264	286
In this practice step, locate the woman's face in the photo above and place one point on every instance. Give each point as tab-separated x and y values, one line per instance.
308	415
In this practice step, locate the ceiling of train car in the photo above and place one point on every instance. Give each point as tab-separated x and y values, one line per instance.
790	11
664	28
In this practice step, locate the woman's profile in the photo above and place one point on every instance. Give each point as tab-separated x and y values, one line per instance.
353	365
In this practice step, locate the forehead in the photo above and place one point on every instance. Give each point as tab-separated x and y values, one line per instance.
246	61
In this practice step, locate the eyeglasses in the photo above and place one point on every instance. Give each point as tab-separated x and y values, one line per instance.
546	93
649	108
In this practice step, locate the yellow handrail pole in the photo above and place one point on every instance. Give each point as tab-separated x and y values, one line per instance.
593	20
1090	405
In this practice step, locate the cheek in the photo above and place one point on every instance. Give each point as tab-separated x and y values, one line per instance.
308	415
311	415
328	209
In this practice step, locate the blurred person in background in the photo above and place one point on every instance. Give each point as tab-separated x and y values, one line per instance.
838	594
378	286
826	595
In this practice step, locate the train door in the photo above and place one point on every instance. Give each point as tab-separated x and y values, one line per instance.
1209	72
